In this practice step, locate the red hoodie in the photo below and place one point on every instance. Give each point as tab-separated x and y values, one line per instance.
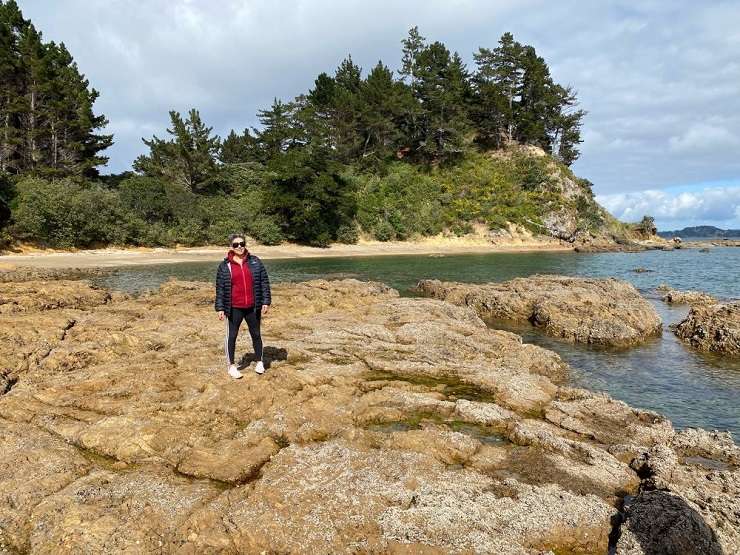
242	293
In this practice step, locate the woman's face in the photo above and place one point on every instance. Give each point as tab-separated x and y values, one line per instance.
239	245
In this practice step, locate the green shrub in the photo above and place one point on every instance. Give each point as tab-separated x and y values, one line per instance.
146	198
301	196
67	214
156	234
266	230
496	221
5	239
188	232
531	171
348	233
383	231
646	227
245	211
403	202
409	200
7	192
589	214
239	178
461	228
321	240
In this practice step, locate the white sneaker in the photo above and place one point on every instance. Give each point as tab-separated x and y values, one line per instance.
260	368
234	373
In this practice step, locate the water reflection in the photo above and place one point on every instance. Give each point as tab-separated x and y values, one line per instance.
662	374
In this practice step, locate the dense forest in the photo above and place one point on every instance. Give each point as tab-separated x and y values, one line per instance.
390	155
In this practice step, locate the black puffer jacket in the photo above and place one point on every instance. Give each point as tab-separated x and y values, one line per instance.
260	284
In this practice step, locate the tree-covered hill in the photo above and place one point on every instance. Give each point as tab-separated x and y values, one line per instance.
436	147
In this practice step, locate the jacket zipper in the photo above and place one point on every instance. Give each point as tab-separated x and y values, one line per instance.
254	291
244	280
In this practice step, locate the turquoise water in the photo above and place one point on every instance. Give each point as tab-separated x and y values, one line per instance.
663	374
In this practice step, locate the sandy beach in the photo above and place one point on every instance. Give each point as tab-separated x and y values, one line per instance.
113	257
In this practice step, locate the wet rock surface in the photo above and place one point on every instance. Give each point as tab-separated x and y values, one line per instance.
675	296
581	310
38	296
712	328
383	424
13	273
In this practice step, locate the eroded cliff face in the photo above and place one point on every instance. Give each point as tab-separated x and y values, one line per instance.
383	424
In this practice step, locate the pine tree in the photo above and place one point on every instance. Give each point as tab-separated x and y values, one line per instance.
323	94
47	121
348	75
442	89
279	130
566	126
71	148
31	58
413	44
382	104
189	158
515	98
536	101
500	72
489	113
239	149
348	78
308	193
11	86
318	114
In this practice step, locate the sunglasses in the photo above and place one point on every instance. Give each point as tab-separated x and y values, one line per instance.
238	244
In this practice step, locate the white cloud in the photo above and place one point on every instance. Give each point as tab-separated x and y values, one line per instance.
701	137
719	206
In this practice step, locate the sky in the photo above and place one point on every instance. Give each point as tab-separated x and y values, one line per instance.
660	79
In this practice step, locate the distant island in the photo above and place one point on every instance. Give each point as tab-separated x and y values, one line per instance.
701	232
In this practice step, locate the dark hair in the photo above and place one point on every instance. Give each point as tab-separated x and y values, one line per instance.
235	235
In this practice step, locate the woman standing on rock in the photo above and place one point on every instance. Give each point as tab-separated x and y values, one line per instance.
242	293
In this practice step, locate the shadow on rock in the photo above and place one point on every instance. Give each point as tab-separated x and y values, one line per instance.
662	523
269	354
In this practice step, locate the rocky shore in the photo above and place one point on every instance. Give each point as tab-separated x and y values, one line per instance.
712	327
383	425
581	310
712	243
13	273
675	296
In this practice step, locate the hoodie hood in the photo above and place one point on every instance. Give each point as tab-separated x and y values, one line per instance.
231	253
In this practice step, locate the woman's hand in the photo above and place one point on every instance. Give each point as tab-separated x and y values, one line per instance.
265	309
220	314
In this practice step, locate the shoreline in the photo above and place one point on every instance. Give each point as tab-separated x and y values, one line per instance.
115	257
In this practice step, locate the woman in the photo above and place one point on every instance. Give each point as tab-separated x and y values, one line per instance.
242	293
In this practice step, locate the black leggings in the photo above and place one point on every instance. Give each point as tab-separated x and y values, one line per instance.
233	321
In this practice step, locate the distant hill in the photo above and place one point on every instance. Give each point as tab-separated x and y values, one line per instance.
701	231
